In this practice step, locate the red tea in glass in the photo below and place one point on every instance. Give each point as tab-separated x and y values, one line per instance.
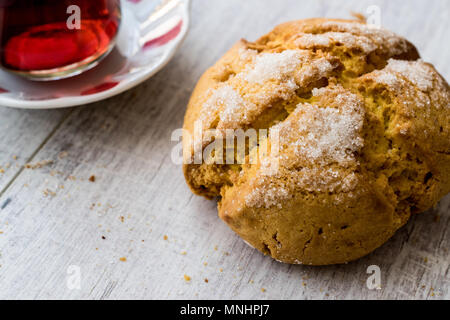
54	39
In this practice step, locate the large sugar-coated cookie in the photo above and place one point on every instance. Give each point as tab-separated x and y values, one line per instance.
361	126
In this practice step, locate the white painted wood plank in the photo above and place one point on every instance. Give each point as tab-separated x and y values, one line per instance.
22	133
125	143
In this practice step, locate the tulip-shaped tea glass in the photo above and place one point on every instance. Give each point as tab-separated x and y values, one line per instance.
55	39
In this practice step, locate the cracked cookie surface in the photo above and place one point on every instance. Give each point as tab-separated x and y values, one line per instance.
361	127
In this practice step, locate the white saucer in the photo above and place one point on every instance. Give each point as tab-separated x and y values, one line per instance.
150	33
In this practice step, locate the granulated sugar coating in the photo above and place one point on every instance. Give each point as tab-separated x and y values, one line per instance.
359	139
267	193
375	34
268	77
227	104
417	72
309	41
273	66
324	135
313	135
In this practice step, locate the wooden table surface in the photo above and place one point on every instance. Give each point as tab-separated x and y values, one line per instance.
56	225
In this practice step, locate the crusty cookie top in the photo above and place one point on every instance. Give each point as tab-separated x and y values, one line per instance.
320	83
293	57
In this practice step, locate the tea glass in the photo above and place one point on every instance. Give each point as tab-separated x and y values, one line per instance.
55	39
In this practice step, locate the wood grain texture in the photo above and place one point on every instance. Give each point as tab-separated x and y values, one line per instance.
54	217
23	133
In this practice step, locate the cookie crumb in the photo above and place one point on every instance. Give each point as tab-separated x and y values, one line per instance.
48	192
92	178
123	259
206	280
263	290
165	237
359	16
38	165
62	154
187	278
432	292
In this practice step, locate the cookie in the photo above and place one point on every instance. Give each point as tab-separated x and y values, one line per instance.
349	129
